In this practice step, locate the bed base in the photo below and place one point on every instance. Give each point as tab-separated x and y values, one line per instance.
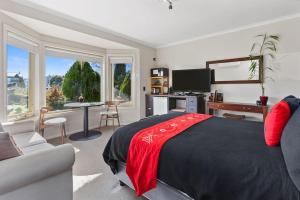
161	192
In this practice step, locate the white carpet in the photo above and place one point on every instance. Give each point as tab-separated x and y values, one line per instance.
92	178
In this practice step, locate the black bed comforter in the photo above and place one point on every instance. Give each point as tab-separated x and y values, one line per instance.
214	159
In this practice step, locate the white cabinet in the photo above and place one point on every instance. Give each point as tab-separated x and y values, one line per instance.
160	105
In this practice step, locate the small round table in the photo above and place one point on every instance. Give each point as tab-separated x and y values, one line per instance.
86	134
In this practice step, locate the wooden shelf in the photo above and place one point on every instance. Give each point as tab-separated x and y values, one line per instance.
241	107
160	84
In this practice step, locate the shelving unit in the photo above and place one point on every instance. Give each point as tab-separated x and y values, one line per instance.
159	81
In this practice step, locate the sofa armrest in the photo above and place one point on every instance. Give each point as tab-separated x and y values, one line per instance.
26	169
19	127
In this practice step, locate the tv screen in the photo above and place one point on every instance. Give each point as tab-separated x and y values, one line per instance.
195	80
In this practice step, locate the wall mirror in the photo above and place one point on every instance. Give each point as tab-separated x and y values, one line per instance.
236	70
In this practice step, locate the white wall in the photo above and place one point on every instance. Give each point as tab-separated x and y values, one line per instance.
194	54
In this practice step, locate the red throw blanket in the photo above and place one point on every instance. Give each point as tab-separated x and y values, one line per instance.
145	147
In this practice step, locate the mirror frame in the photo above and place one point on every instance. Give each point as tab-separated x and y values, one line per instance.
260	63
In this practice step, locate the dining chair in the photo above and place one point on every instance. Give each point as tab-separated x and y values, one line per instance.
111	113
57	121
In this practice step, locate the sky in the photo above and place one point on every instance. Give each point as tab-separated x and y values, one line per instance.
18	61
60	66
57	65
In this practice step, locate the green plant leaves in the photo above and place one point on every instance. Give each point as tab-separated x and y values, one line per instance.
82	81
267	48
252	69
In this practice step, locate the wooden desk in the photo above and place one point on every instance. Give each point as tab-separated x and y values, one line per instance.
241	107
162	104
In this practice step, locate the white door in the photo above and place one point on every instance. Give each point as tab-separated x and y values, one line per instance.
160	105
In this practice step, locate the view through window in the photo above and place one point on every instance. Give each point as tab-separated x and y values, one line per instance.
68	79
18	68
122	81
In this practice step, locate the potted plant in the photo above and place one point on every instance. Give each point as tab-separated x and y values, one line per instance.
265	48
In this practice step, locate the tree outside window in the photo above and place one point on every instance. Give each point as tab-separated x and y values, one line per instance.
68	79
122	81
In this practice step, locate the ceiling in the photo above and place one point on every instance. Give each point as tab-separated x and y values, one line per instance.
150	21
66	34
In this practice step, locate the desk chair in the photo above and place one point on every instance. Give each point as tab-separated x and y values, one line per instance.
111	113
58	121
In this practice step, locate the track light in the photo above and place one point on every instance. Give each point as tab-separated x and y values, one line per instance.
170	2
170	5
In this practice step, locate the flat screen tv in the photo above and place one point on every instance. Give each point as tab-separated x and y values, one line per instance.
191	80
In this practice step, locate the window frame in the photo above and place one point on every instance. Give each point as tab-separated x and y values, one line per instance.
59	51
39	43
19	39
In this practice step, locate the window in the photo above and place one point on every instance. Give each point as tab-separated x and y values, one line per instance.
68	78
18	82
121	79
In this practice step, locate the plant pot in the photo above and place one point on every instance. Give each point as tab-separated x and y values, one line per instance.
263	100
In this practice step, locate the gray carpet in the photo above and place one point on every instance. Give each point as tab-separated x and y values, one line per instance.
92	178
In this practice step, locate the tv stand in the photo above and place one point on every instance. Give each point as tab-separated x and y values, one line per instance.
163	104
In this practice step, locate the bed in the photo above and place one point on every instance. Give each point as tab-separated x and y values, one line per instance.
215	159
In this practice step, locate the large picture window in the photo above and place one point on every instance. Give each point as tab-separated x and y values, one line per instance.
67	79
121	79
18	82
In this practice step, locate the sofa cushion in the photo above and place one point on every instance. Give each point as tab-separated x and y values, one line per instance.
28	139
7	147
35	148
17	127
290	141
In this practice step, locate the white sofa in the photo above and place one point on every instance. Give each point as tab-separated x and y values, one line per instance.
42	172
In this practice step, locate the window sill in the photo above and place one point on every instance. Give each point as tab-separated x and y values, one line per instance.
71	111
126	106
21	117
58	113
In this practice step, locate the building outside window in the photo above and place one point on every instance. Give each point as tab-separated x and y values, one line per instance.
18	82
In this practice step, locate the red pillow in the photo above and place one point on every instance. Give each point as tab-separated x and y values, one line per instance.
275	122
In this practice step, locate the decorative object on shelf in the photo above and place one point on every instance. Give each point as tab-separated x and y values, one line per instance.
215	97
211	97
158	72
264	100
81	99
234	116
258	103
265	48
219	97
159	80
